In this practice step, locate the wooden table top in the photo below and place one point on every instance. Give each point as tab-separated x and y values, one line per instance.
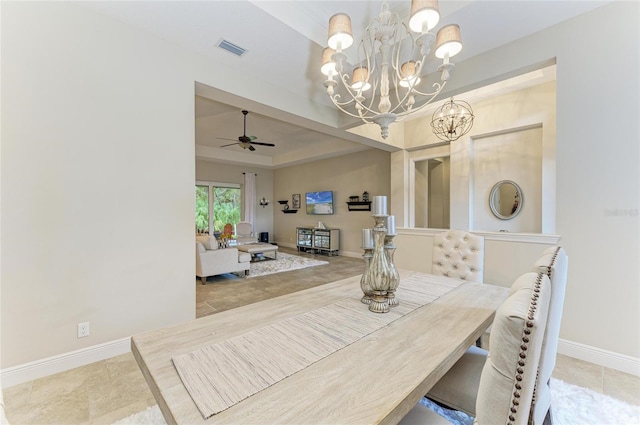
377	379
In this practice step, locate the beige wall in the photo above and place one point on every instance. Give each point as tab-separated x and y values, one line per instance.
346	176
229	173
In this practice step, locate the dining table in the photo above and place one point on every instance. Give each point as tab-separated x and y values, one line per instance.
316	356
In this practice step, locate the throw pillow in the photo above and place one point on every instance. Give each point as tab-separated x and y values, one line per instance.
209	242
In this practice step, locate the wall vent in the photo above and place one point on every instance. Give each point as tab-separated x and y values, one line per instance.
230	47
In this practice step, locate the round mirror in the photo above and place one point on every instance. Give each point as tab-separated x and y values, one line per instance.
506	199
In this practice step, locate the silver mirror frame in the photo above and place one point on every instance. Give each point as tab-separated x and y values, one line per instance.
494	208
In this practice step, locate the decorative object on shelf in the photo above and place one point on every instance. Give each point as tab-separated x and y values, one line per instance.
380	278
393	69
354	199
264	202
365	196
285	207
295	200
452	120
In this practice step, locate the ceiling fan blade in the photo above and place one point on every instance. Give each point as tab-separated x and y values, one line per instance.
230	144
251	148
252	137
262	144
224	138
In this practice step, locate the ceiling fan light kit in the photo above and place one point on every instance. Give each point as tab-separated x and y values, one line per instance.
387	64
244	141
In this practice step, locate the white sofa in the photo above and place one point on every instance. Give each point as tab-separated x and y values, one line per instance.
211	260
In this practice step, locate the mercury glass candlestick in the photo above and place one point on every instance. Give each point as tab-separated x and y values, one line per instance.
364	280
389	249
379	272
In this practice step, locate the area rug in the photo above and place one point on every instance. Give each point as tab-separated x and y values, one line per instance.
572	405
285	262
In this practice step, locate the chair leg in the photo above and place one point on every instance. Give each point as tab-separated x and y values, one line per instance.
548	419
203	279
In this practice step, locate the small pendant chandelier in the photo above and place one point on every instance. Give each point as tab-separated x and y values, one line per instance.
452	120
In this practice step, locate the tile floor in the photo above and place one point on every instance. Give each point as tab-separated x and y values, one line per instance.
109	390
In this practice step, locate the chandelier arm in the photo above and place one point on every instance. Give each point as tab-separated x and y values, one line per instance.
346	111
431	96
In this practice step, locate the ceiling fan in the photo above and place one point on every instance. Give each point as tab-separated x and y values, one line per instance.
245	141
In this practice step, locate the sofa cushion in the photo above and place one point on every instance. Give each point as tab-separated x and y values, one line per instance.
244	257
209	242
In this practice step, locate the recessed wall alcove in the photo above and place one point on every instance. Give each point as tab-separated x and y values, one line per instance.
513	138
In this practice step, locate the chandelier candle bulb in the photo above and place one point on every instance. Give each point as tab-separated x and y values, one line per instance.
328	65
379	205
425	14
448	42
340	35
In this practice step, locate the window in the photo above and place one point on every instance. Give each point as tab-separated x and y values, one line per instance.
216	205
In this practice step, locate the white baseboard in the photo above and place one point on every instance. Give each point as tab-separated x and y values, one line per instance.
40	368
621	362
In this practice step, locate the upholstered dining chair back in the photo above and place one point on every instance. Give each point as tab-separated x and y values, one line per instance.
554	263
507	381
460	254
506	387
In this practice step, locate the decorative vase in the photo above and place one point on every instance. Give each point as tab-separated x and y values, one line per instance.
364	280
394	281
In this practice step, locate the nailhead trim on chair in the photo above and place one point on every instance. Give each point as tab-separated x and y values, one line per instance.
533	305
535	388
553	261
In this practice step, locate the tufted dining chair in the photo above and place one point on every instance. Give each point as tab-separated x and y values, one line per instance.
457	253
506	387
457	389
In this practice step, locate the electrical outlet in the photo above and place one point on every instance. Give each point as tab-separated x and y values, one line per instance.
83	329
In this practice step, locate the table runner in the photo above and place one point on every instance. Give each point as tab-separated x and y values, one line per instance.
222	374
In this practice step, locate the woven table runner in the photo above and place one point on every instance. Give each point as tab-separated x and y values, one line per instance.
223	374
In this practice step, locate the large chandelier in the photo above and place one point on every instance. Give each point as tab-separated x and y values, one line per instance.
391	58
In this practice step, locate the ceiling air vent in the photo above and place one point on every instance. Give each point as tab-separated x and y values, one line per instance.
230	47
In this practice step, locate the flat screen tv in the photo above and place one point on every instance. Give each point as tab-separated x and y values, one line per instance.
320	202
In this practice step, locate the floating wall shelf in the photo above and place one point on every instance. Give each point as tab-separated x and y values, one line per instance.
289	211
359	206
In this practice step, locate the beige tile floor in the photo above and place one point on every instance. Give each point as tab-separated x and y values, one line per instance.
109	390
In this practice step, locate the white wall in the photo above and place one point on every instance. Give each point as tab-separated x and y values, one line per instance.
98	174
597	169
97	177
